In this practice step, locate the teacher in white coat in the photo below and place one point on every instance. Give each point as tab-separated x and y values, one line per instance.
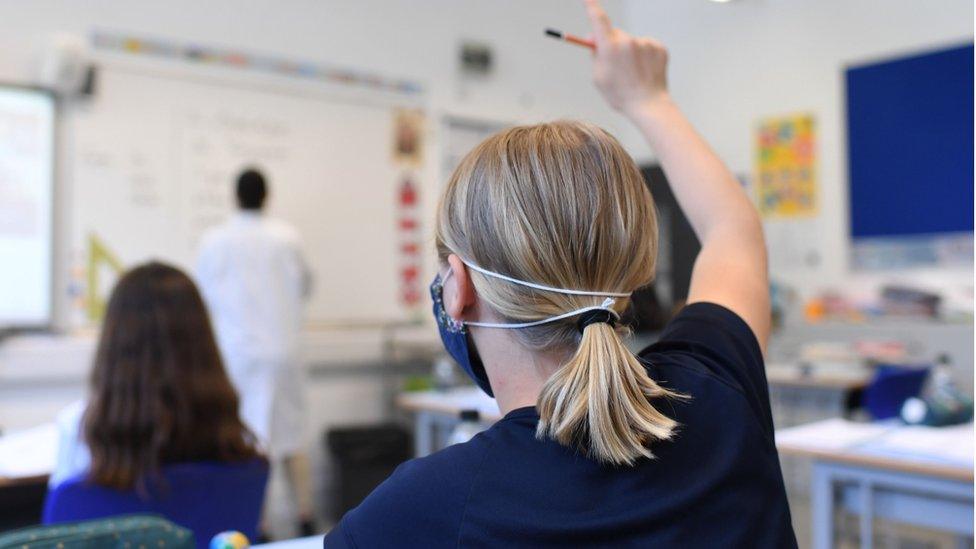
255	281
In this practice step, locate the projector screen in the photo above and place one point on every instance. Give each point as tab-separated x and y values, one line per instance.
26	201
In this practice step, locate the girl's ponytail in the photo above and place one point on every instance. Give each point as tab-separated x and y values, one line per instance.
599	401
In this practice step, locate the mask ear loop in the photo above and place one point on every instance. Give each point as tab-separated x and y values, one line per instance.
605	306
542	286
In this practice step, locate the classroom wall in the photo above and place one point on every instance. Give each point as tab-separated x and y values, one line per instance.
735	63
412	40
534	79
731	65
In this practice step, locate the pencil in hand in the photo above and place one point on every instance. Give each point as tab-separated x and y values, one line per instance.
571	38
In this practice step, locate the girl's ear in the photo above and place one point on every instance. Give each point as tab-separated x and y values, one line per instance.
459	293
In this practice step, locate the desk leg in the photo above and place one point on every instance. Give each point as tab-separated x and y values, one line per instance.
822	507
867	514
423	436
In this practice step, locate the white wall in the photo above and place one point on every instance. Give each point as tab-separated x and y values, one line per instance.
731	63
734	63
535	78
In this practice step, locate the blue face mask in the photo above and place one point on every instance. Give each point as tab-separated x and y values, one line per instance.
455	336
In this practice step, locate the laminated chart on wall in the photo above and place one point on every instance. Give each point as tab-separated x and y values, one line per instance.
408	137
408	145
786	177
786	192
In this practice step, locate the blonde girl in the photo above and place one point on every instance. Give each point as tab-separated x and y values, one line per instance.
543	233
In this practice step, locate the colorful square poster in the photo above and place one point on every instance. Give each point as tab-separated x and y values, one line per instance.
786	177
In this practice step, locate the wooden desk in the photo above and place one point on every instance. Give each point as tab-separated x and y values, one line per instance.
436	413
915	475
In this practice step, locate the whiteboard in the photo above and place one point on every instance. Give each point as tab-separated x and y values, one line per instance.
154	164
27	126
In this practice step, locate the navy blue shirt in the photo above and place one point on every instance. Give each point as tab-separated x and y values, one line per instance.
716	484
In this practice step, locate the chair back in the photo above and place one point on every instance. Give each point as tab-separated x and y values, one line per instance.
891	387
124	531
205	497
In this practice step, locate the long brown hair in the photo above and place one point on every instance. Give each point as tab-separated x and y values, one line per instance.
562	204
159	393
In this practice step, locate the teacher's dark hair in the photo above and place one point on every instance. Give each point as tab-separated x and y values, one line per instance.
159	392
251	189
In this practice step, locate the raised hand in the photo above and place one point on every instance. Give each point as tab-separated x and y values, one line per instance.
630	72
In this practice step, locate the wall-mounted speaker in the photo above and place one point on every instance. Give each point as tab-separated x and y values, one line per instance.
66	68
476	58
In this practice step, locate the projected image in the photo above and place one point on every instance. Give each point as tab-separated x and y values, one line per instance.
26	169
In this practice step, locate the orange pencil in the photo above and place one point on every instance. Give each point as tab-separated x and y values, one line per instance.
572	39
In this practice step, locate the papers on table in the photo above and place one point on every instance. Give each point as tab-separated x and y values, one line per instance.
830	435
28	452
310	542
948	445
941	445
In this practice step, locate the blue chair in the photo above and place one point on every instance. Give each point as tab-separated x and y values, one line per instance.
891	387
206	497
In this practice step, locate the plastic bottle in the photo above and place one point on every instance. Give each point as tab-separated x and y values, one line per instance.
466	430
445	374
942	402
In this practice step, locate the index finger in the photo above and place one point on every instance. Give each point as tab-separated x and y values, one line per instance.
602	28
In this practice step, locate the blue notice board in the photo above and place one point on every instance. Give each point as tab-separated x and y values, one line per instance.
910	145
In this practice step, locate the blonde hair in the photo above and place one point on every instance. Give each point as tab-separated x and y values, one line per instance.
563	204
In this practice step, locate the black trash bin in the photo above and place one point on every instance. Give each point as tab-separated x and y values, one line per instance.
363	457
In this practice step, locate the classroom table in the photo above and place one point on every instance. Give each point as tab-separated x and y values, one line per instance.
800	394
797	397
308	542
26	460
921	476
436	413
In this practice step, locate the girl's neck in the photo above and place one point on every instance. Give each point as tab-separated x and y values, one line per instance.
517	374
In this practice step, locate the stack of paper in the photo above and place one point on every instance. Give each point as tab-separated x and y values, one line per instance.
949	445
830	435
889	439
29	452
